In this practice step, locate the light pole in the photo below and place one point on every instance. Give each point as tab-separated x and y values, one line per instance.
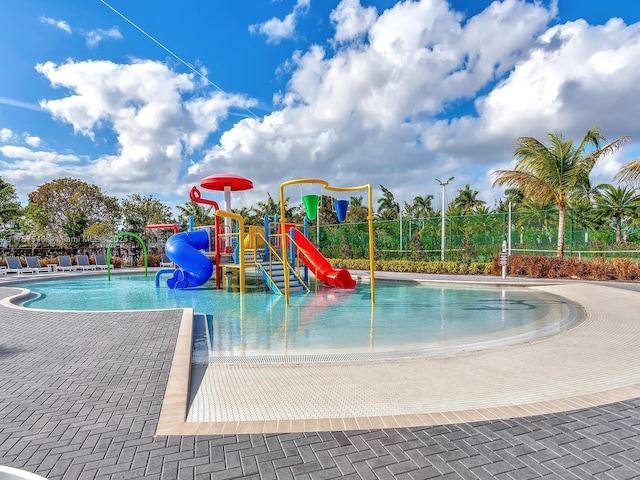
442	239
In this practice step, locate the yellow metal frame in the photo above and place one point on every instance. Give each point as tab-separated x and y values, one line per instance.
240	220
275	254
326	186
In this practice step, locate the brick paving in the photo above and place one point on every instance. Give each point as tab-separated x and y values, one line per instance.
80	396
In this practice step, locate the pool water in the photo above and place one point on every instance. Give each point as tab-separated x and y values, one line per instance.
407	319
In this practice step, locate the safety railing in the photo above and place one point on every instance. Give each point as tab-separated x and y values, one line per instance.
268	265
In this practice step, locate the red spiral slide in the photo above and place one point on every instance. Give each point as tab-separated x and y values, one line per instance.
320	266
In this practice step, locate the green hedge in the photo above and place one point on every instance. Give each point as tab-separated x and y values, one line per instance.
473	268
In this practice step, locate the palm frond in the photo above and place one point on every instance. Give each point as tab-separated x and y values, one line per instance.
629	172
530	184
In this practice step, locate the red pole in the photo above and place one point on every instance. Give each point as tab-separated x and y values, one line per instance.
196	196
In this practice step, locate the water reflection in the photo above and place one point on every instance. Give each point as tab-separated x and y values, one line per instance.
403	319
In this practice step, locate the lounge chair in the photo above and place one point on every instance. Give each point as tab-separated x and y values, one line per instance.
101	261
166	261
64	263
82	262
33	262
14	266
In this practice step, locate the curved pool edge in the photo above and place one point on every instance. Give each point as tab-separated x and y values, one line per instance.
612	307
592	364
480	340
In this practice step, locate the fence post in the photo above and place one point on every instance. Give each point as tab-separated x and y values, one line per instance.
570	233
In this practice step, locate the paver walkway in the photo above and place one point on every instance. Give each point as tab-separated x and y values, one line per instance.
80	396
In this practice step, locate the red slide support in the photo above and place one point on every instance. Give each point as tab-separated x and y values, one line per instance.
320	266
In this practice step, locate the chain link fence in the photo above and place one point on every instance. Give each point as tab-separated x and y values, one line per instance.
476	238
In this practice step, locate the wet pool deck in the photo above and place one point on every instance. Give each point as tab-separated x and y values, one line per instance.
81	396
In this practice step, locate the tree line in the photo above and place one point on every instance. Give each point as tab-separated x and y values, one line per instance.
548	176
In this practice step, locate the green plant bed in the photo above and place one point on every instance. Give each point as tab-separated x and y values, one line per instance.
473	268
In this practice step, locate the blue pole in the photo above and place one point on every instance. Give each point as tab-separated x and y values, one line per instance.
275	229
292	250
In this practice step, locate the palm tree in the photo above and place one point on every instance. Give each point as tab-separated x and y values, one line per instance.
356	201
357	212
409	211
272	207
423	207
512	196
617	204
581	204
537	217
249	215
466	200
202	215
388	208
554	172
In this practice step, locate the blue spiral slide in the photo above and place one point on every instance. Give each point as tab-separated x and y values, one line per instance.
184	249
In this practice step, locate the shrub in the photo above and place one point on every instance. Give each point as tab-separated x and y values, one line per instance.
601	269
475	268
624	269
152	261
598	268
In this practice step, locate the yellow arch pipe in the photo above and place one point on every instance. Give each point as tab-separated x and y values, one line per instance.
326	186
240	220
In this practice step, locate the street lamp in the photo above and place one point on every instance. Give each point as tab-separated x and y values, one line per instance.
442	239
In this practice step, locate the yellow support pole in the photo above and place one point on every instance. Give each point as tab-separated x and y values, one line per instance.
240	220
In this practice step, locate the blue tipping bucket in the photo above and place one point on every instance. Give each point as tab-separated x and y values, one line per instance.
341	209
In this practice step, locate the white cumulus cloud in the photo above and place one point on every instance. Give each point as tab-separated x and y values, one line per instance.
155	113
6	134
397	97
59	24
94	37
32	140
352	20
372	110
360	112
276	29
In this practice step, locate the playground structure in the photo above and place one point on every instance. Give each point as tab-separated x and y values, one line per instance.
279	251
323	271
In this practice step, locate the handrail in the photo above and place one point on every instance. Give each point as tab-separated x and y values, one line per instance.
278	257
271	260
315	270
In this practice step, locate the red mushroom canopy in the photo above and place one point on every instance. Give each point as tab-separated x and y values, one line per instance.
221	180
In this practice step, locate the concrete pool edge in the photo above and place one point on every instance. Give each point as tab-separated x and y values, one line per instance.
173	426
176	398
173	421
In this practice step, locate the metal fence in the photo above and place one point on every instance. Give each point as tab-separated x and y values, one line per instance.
479	237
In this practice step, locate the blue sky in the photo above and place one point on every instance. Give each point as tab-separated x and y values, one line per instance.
150	97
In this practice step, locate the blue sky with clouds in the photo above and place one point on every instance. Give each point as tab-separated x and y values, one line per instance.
150	97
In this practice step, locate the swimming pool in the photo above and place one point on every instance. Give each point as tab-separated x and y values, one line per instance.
407	319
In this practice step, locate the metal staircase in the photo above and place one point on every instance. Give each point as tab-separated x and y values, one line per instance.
273	270
273	273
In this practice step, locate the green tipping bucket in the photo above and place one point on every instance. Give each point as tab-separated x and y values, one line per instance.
311	206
